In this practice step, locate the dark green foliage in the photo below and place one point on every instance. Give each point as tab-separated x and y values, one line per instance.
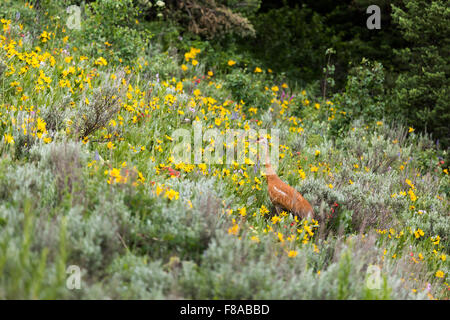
364	96
210	19
291	40
247	8
422	90
114	22
247	88
292	36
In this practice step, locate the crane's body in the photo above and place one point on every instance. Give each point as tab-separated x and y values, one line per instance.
282	195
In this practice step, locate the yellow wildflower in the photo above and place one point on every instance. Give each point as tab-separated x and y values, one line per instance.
292	254
9	139
439	274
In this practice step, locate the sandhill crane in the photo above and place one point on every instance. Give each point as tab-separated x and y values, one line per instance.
282	195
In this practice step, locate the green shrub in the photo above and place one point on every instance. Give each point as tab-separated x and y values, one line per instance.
364	96
25	271
116	23
134	277
248	88
169	229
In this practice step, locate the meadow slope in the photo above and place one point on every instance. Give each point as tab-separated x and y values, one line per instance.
88	178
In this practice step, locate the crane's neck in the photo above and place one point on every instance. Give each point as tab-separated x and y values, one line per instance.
269	169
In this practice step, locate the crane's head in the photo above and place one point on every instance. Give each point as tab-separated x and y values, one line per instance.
262	141
265	146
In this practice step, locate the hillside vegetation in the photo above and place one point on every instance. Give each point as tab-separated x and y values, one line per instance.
88	177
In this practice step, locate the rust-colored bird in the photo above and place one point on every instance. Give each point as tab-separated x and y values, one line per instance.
282	195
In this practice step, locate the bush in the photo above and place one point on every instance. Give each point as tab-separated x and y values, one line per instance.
112	27
167	230
96	114
134	277
239	269
364	97
209	19
248	88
